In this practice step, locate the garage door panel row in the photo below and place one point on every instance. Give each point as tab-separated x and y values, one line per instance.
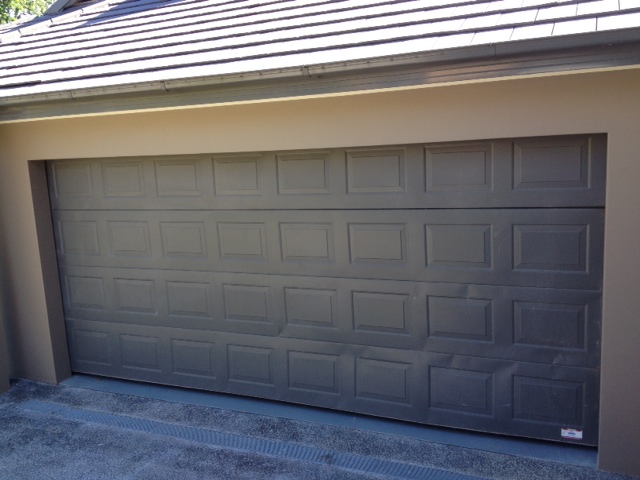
536	325
548	172
559	248
465	391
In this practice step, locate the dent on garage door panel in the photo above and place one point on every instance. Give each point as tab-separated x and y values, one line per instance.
454	284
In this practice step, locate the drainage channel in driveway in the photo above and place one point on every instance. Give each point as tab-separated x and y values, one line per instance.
247	444
566	454
132	431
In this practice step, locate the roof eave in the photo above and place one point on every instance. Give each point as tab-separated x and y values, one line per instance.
548	56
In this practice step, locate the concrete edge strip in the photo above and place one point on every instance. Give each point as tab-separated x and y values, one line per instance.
275	448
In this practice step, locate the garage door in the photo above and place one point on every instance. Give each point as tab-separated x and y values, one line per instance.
450	284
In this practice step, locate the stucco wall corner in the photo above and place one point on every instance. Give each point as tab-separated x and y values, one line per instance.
25	311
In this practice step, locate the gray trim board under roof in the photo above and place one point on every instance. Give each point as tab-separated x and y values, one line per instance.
309	82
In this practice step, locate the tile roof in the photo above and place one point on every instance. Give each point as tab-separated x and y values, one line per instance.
119	42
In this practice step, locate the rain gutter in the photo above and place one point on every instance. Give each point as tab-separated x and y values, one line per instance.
580	53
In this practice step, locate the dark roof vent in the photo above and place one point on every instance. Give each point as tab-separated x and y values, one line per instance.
60	5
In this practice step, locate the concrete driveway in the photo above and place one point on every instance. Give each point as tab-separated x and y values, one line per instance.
91	428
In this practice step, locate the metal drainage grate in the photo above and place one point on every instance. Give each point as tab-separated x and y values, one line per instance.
291	451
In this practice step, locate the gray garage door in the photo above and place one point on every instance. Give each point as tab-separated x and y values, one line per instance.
450	284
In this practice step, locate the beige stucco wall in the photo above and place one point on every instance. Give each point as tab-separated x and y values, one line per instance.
607	102
4	354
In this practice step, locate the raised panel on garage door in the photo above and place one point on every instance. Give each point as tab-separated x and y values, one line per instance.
455	284
551	248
